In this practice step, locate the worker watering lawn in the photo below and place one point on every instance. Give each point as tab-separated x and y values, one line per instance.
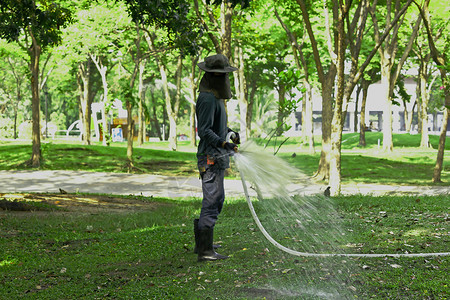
213	150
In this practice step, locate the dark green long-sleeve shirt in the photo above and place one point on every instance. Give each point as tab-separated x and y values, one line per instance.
212	128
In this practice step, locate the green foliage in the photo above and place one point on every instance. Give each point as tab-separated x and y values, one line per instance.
401	91
6	128
170	15
43	18
243	3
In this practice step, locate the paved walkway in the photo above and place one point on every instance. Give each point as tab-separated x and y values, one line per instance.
163	186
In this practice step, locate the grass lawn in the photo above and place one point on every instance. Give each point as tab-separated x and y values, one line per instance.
58	253
407	165
97	158
76	246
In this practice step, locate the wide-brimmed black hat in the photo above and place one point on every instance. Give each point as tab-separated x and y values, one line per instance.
216	64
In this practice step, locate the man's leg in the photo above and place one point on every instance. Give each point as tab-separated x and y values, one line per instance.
213	197
212	203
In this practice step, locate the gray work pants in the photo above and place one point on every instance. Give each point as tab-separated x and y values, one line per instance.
213	194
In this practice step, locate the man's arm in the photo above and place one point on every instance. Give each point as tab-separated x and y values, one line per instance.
205	108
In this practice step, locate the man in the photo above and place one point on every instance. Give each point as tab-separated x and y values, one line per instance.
213	150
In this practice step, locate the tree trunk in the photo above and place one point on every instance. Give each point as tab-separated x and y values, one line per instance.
387	60
102	70
226	16
141	95
440	58
130	121
84	73
307	110
423	76
193	132
409	118
337	122
355	116
419	110
35	53
387	110
440	156
154	119
323	171
15	122
251	102
172	112
130	129
362	123
19	98
281	113
105	128
241	86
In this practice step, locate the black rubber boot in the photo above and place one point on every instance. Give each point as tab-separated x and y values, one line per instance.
205	246
196	237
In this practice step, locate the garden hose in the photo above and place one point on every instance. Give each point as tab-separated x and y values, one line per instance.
307	254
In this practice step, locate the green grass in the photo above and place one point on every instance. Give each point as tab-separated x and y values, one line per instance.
407	165
98	158
397	168
350	141
148	254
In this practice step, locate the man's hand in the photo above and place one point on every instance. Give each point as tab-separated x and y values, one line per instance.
229	147
235	137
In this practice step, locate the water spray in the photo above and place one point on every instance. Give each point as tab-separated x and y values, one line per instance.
308	254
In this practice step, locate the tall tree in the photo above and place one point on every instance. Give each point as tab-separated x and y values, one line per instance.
326	77
423	93
35	26
192	96
369	78
388	52
343	27
172	106
302	64
439	53
13	74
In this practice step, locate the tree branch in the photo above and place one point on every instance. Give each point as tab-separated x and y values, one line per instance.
314	46
377	46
